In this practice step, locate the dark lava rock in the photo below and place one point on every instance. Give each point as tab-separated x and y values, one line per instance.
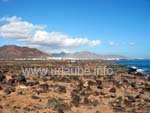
113	95
11	81
35	97
80	86
119	109
44	86
129	100
147	100
94	103
91	83
147	88
148	78
98	82
96	93
8	90
52	102
86	101
60	111
134	85
32	83
74	92
1	88
2	77
118	84
100	87
132	70
62	107
112	90
76	100
20	79
64	79
61	89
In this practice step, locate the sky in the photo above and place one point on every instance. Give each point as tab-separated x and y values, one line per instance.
106	27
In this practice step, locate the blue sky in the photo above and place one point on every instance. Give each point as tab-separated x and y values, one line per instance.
119	27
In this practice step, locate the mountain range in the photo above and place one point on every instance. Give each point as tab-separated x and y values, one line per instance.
88	55
10	52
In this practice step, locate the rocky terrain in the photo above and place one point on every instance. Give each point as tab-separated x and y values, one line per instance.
122	92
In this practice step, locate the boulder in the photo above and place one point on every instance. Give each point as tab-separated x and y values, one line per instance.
52	102
2	77
112	90
20	79
61	89
75	100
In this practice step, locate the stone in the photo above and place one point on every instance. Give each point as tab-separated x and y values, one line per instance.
44	86
35	97
32	83
74	92
61	89
2	77
113	95
60	111
112	90
8	90
80	85
86	101
20	79
119	109
91	83
64	79
62	107
96	93
129	100
11	81
52	102
1	88
76	100
98	82
132	70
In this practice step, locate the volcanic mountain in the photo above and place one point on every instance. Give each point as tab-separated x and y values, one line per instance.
88	55
10	52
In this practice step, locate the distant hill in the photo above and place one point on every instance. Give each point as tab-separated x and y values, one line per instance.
88	55
9	52
62	54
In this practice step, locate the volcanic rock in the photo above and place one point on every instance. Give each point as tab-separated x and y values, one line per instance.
52	102
2	77
61	89
112	90
20	79
75	100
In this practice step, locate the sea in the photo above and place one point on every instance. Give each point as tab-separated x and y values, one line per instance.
142	66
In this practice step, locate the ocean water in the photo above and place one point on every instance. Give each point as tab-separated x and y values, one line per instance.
142	66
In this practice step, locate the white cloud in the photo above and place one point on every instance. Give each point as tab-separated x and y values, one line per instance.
10	19
111	43
35	35
60	40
